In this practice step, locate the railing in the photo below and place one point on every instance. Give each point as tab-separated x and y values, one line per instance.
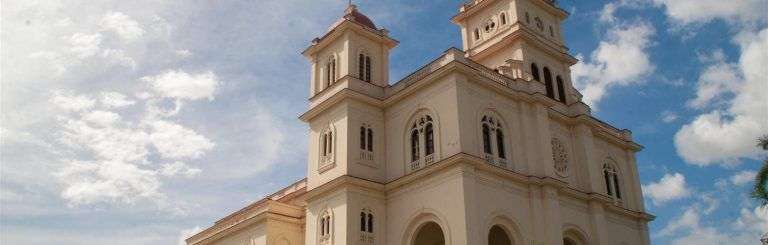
488	158
429	159
325	239
366	155
326	159
502	162
415	165
366	237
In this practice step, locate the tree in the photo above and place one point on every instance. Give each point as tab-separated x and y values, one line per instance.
761	179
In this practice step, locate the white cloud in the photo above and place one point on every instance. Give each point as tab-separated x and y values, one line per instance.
107	182
743	177
670	187
184	53
178	168
739	107
181	85
702	11
174	141
688	229
123	25
669	116
115	100
85	45
184	234
70	102
619	60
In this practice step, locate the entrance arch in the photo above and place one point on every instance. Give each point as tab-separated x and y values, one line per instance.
498	236
429	234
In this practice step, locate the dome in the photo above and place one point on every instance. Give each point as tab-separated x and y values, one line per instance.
353	15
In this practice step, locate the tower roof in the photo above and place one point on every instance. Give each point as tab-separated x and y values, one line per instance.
355	16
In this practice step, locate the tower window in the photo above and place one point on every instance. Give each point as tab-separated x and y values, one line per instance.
493	141
551	32
527	18
548	83
422	142
364	67
503	18
366	226
535	72
366	142
539	23
330	72
325	226
477	34
560	89
611	176
326	149
490	25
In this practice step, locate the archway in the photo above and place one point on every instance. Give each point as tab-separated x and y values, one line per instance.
429	234
498	236
569	241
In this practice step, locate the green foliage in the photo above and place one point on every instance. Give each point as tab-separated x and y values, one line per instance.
760	191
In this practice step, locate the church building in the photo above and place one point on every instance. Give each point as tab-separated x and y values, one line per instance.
487	145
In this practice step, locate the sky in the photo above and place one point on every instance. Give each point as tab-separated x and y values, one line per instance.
143	122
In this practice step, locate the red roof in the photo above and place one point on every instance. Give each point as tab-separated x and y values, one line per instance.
353	15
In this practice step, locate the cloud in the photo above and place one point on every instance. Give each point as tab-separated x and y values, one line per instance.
186	233
621	59
669	116
178	168
178	84
174	141
122	25
670	187
736	108
70	102
686	12
107	182
743	177
688	228
115	100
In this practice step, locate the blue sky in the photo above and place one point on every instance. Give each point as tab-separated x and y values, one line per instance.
139	122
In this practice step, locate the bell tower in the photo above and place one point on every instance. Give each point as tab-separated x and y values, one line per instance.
520	35
354	47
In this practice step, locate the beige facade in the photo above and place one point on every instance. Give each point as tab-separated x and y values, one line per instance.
488	145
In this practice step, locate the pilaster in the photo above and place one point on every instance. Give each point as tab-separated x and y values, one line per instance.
597	220
590	169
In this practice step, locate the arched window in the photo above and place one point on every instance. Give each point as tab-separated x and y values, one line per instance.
493	141
422	142
527	18
366	226
363	222
477	34
611	176
535	72
414	145
560	89
548	83
503	18
325	226
330	72
370	139
551	32
363	138
370	223
364	67
326	149
366	142
486	139
430	139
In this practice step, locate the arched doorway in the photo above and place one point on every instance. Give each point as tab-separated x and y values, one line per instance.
429	234
498	236
569	241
